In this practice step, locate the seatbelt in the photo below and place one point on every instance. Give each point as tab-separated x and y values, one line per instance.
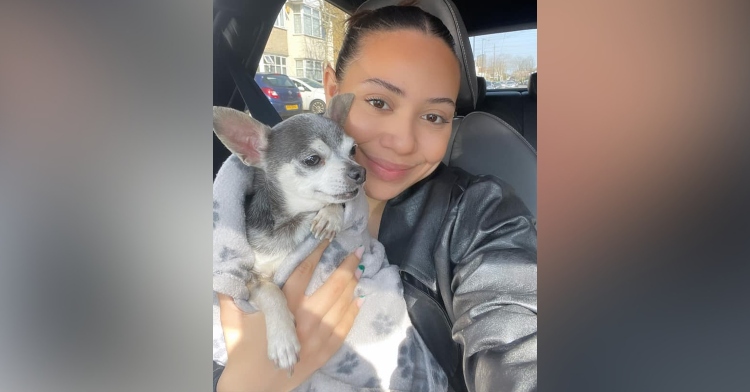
254	98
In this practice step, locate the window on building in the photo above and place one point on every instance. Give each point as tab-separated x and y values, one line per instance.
307	21
273	64
280	20
307	34
312	69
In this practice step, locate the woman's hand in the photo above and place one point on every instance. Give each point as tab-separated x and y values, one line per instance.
323	320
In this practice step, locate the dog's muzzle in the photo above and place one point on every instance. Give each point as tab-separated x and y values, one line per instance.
357	173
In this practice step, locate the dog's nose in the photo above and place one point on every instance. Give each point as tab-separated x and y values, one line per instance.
357	173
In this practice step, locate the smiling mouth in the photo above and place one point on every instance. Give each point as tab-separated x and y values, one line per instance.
386	170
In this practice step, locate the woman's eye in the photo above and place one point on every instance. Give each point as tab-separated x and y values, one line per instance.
378	103
353	150
312	160
434	118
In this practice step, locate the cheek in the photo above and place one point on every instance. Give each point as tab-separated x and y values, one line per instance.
360	126
433	144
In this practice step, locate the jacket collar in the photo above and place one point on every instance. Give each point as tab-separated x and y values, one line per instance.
411	224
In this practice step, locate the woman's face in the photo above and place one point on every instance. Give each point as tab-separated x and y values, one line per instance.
405	85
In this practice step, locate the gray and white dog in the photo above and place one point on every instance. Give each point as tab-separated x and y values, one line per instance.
278	186
307	174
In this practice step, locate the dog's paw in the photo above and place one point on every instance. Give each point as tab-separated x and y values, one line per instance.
328	222
283	345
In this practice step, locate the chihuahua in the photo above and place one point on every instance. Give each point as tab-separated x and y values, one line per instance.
305	171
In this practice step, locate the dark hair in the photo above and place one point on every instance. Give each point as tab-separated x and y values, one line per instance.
390	18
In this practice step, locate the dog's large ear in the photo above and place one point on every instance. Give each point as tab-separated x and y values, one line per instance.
241	134
339	106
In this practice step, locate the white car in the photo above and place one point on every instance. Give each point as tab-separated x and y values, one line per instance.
313	97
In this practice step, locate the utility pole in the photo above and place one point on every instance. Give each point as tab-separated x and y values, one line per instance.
484	57
493	61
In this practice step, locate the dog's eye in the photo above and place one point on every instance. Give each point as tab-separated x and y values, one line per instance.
312	160
353	150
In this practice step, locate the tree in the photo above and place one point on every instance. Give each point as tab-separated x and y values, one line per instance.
523	67
334	20
498	67
480	64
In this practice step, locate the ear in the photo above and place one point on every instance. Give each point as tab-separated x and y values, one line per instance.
330	86
338	107
241	134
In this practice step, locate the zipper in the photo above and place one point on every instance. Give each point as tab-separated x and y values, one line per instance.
452	369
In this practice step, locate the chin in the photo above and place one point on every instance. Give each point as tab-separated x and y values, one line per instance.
377	189
380	190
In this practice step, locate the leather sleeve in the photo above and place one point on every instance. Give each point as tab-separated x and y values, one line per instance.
494	285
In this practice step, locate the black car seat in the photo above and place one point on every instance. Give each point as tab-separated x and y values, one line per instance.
529	111
481	90
517	108
481	142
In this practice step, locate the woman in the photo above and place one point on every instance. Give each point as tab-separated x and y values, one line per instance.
465	245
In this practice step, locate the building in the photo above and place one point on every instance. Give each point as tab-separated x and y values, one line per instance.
303	39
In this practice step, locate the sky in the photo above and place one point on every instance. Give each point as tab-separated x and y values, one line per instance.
515	43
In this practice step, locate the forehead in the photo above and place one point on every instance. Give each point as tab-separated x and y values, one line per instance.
407	58
302	130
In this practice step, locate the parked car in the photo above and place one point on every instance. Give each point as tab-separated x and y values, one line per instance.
313	95
281	91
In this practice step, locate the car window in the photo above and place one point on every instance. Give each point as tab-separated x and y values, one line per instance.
278	81
306	36
300	86
505	60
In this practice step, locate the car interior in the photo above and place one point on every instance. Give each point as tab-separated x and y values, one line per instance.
494	132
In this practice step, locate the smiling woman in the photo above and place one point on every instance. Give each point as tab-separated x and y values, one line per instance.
402	116
464	245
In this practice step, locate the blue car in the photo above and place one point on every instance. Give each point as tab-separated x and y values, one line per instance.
282	92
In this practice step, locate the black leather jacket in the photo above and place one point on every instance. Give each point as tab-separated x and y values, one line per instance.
466	247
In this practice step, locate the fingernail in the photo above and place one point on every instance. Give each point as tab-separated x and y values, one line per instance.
360	270
359	251
360	301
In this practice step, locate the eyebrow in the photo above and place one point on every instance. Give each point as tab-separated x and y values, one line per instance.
385	84
390	87
441	100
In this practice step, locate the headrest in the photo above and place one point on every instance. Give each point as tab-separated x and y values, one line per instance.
447	12
532	85
481	89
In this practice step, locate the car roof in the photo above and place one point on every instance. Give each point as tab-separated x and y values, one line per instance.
478	15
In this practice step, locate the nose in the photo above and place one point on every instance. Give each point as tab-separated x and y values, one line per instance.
356	173
402	139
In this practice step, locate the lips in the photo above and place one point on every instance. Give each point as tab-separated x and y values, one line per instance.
385	170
